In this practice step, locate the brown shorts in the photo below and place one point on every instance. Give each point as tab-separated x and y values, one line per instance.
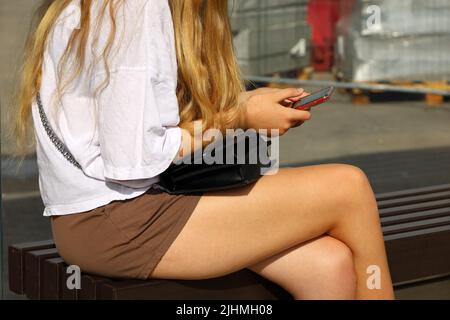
123	239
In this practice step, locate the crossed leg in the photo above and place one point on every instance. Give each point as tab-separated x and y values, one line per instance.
274	227
319	269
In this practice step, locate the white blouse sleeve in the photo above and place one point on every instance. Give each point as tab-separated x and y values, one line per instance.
138	112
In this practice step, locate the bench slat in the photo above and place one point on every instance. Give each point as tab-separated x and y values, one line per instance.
414	199
418	257
416	225
34	261
52	273
16	263
412	192
416	233
414	208
415	216
91	287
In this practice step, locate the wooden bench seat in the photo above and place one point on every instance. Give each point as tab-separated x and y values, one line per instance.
416	227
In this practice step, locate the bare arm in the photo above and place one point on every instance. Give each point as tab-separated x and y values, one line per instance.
264	109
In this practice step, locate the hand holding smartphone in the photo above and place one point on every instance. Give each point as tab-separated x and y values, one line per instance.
314	99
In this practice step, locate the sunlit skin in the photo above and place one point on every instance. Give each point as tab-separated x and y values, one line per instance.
313	230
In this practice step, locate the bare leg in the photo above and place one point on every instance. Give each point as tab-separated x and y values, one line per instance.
319	269
231	230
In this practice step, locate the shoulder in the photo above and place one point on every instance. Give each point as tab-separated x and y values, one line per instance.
70	17
149	9
134	17
134	10
65	24
141	26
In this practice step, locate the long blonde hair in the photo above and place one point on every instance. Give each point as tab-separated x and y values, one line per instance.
209	80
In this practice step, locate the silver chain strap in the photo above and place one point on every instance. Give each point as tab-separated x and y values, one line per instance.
53	137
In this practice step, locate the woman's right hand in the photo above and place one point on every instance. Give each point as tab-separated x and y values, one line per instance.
265	110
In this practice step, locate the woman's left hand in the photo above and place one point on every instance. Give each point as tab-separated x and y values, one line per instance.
287	103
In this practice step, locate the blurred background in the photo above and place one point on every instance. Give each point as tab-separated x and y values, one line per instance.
390	114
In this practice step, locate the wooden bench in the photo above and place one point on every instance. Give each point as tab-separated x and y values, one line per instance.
36	270
416	227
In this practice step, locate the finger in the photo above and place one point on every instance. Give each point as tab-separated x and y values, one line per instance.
304	94
295	99
287	103
286	94
298	115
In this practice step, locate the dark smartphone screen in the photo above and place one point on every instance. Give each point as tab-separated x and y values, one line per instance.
323	93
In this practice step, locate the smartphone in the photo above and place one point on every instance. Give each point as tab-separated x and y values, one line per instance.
314	99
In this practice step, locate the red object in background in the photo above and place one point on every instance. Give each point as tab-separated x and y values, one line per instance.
323	16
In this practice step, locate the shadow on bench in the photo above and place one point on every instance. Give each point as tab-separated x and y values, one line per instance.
416	227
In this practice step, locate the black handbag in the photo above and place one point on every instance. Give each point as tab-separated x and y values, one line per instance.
245	158
248	157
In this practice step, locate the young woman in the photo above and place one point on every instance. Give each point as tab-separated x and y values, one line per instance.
122	83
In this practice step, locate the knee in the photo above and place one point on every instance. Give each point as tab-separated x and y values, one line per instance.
352	177
352	185
337	266
340	258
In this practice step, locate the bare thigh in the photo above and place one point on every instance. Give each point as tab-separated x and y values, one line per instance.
231	230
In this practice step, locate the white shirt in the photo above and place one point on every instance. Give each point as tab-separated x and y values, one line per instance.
136	136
